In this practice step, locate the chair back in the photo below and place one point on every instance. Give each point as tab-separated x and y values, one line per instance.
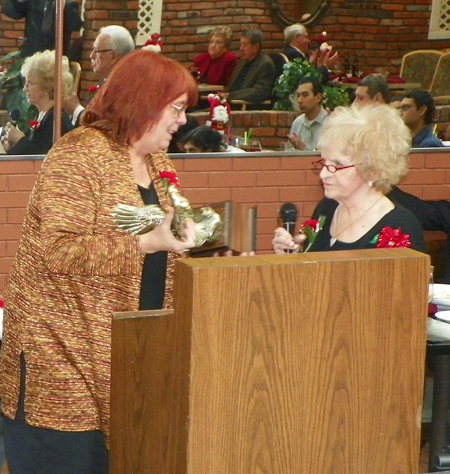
75	69
279	59
419	66
440	87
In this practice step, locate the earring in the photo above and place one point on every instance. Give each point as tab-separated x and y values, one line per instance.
370	184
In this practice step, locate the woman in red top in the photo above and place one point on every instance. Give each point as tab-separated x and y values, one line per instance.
217	65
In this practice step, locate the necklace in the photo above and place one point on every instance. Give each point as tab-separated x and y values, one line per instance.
334	236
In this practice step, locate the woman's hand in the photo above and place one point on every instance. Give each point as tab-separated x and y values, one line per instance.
162	239
13	135
284	241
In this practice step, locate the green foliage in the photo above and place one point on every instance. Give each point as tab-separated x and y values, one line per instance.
287	84
11	84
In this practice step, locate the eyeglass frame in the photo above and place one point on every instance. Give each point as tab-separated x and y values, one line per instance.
179	109
100	51
322	165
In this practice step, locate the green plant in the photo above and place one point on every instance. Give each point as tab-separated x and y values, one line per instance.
287	84
11	85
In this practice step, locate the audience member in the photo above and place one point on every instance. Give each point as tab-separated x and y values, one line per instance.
297	42
373	88
40	23
177	143
75	267
254	76
112	43
39	73
357	169
205	139
417	110
217	65
396	102
305	130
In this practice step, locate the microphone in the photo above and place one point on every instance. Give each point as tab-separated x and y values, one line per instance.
288	217
14	116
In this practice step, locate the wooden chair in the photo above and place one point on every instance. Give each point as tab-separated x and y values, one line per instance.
420	66
75	69
440	87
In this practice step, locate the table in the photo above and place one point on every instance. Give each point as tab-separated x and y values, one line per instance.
392	86
209	88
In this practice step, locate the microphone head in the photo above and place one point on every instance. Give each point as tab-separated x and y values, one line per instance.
288	212
14	115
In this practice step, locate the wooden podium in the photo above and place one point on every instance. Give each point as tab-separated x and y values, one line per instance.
292	364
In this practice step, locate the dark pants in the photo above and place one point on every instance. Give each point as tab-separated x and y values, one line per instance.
31	450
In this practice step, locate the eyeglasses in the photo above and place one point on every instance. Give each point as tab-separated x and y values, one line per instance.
99	51
179	109
320	164
405	107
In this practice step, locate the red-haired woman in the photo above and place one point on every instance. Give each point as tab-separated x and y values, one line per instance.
75	266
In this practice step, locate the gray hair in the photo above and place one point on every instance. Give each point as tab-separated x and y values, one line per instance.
377	83
255	36
120	39
224	32
291	31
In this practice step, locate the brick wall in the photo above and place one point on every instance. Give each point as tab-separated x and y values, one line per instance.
264	181
378	32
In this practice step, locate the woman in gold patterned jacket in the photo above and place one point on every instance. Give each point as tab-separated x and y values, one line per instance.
75	267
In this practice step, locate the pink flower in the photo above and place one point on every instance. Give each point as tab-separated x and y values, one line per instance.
389	237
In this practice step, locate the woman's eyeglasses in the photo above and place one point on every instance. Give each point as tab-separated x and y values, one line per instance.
320	164
179	109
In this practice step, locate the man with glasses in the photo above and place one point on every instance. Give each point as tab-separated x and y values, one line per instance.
112	43
417	110
305	130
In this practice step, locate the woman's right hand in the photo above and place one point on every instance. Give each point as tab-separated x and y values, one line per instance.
13	135
284	241
162	239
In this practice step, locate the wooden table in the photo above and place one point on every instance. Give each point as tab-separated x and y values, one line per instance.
392	86
202	88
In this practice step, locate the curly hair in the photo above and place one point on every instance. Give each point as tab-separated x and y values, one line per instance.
224	32
374	137
42	65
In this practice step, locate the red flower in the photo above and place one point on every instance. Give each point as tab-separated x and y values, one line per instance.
311	228
34	124
312	224
2	304
169	178
389	237
93	89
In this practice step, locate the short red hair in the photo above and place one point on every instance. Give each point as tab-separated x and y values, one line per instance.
137	91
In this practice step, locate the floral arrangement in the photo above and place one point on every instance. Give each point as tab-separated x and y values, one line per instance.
390	238
34	125
169	179
311	228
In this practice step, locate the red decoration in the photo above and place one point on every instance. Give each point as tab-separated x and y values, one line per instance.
34	125
2	304
169	179
93	89
312	224
154	43
389	237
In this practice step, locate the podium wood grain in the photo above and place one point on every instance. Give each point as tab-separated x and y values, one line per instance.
294	364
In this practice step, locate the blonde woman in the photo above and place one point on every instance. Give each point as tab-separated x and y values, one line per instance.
39	73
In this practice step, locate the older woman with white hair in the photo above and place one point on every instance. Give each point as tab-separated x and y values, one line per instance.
39	73
364	152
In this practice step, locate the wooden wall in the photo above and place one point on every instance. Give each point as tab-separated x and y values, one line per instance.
266	181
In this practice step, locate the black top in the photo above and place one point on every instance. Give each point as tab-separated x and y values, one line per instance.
39	141
153	281
399	217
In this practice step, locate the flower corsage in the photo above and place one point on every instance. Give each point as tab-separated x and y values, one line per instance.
311	228
390	238
34	125
169	178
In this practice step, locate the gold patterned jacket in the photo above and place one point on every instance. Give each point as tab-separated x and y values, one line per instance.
74	268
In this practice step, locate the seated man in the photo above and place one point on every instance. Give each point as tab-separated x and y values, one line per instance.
305	129
111	44
373	88
417	111
254	76
297	46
